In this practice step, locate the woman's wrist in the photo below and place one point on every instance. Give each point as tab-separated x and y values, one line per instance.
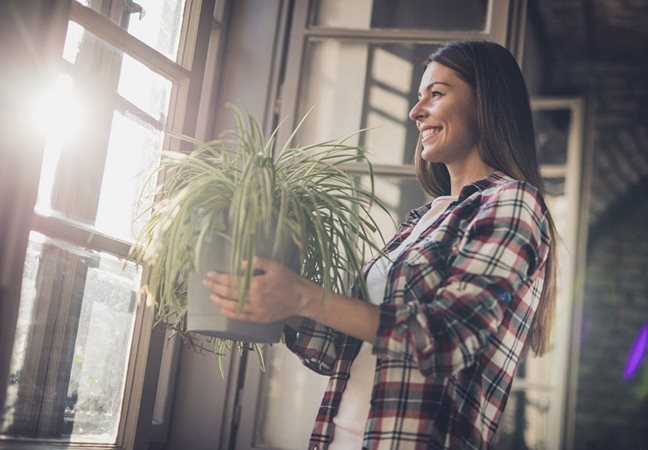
312	301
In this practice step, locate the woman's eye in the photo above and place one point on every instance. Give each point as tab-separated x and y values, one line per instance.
436	94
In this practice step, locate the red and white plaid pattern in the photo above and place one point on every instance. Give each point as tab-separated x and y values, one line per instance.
458	306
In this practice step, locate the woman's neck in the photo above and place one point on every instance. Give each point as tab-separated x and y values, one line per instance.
462	175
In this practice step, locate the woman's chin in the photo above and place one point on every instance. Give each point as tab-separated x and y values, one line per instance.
429	155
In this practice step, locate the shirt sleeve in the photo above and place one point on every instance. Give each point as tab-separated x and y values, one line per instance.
444	309
315	345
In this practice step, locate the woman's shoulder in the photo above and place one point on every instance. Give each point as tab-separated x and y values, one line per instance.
504	188
513	201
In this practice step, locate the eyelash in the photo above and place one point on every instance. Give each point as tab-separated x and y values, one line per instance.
434	94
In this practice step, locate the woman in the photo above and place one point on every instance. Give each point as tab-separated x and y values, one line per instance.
466	288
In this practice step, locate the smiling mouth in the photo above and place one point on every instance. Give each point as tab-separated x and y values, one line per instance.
430	132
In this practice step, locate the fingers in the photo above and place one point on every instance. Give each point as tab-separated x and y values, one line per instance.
225	295
231	309
228	304
221	285
221	278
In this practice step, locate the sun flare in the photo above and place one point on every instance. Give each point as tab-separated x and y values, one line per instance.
58	112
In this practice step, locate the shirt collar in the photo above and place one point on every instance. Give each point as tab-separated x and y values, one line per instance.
482	184
492	179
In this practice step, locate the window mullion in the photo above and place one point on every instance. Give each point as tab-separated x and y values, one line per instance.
381	169
392	35
129	109
120	103
116	36
79	234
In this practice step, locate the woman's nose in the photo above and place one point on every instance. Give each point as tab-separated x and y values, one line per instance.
417	112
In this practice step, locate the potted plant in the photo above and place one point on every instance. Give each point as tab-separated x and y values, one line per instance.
233	198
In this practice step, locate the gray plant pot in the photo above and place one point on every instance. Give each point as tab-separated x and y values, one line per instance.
205	318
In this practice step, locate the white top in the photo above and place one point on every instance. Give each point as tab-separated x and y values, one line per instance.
353	412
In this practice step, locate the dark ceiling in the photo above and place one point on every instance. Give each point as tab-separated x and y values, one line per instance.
598	49
597	30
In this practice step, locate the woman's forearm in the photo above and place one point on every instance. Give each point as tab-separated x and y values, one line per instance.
348	315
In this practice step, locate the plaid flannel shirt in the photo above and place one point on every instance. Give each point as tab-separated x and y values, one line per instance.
456	313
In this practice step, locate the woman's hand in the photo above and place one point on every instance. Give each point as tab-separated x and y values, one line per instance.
278	293
275	293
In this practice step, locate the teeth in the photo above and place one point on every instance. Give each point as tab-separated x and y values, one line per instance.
430	132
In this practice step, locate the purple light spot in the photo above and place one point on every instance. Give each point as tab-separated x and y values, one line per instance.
636	353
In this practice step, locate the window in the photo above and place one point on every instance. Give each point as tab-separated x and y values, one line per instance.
129	72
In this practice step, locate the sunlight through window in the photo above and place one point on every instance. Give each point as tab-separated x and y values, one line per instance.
58	116
58	113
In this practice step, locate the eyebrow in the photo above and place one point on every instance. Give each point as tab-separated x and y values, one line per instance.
431	85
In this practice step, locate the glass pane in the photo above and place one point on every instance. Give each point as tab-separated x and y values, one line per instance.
358	85
458	15
525	422
72	343
554	186
104	135
552	134
154	22
133	151
144	88
139	85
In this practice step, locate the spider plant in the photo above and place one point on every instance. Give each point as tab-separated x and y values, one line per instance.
238	190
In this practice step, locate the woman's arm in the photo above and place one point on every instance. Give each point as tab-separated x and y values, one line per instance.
348	315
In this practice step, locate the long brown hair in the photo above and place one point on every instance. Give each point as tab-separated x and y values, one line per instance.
507	143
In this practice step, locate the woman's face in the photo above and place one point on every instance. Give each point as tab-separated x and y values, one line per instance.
445	117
